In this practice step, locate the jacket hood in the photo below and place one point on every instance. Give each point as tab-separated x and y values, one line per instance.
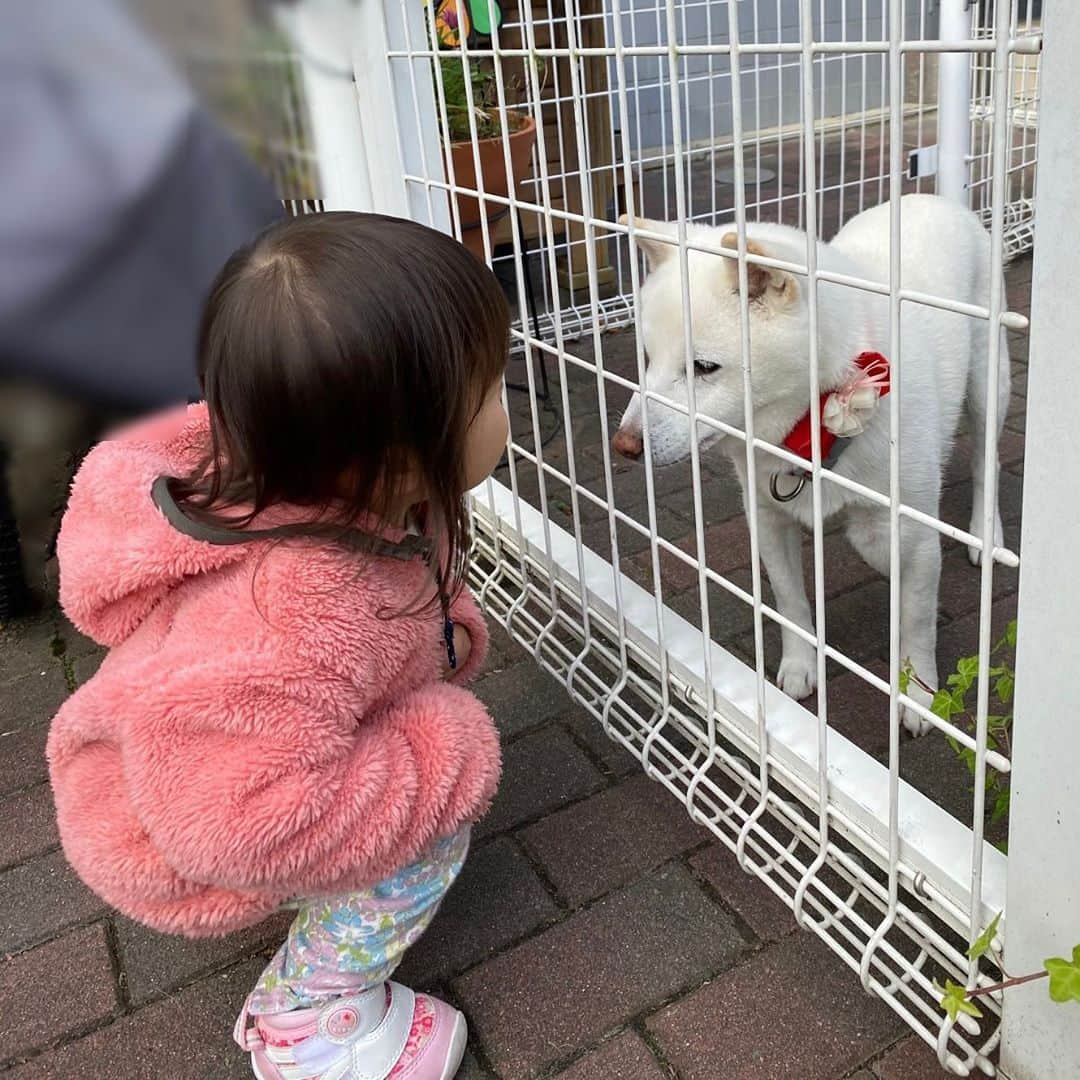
118	554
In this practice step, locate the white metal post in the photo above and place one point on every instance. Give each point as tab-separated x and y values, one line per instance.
369	126
321	31
1042	1039
954	102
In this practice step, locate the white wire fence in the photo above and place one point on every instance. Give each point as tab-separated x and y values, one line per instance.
794	112
897	886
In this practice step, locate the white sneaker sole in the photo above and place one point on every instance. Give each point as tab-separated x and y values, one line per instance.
459	1039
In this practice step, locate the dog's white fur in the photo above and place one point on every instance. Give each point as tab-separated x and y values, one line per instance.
945	252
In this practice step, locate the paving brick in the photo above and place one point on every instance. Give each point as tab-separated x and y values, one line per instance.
541	772
932	766
614	755
860	711
910	1059
155	964
961	637
55	990
521	697
1010	451
727	548
188	1035
26	646
844	566
497	899
75	645
765	913
85	667
956	500
22	758
33	698
30	825
625	1057
595	534
471	1069
567	987
41	897
813	1020
729	615
611	839
961	583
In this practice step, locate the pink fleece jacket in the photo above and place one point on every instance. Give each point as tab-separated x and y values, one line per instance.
257	730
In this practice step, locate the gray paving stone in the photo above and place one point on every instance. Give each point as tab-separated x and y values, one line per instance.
625	1057
522	697
22	757
154	964
33	698
541	772
40	897
564	989
30	825
909	1059
188	1035
611	839
497	899
792	1010
55	990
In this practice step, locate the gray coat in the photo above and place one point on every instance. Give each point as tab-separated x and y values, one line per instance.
120	198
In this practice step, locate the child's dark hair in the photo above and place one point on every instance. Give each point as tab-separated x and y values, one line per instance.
336	352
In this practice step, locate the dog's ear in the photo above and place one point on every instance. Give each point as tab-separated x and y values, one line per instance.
656	251
764	283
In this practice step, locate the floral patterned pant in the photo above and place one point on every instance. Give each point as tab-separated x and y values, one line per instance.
345	944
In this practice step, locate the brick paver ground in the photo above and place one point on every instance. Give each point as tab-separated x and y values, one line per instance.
595	933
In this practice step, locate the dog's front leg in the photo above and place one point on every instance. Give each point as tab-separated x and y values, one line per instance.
780	544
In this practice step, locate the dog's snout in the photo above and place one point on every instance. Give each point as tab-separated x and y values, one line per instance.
628	443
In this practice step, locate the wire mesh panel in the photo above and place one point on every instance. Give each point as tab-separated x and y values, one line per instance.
626	167
1022	129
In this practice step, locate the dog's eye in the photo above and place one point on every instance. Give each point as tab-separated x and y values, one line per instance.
705	367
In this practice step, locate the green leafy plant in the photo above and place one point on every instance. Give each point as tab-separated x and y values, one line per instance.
950	703
489	117
1064	976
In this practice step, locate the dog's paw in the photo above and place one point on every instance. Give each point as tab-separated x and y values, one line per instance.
797	676
913	721
915	724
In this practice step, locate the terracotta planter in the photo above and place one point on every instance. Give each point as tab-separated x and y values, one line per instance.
493	170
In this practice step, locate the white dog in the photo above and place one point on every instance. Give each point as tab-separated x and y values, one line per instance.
942	363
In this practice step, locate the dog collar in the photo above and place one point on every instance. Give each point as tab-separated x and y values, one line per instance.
844	413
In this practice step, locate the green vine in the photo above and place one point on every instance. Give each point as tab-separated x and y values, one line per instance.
1064	976
950	704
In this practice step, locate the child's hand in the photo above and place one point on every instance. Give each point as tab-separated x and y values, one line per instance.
462	648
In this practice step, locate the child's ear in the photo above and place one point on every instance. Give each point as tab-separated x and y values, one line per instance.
777	288
656	251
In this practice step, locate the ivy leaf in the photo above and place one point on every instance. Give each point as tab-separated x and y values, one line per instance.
968	666
1001	806
954	1000
1010	634
982	943
905	677
1065	977
1004	687
942	705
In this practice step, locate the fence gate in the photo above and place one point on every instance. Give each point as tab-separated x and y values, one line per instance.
640	587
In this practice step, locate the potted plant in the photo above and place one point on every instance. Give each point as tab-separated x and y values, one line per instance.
491	121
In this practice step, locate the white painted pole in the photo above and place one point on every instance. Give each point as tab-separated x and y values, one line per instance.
321	32
954	103
1041	1039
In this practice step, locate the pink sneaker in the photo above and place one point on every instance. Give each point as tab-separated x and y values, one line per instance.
386	1033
